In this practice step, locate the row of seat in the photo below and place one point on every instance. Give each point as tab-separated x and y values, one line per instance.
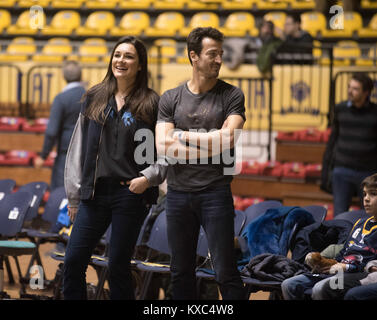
168	4
169	24
279	170
24	158
92	50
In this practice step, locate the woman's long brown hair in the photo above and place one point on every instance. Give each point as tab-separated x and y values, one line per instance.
141	102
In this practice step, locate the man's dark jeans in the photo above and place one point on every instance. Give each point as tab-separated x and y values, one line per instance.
346	183
213	209
115	204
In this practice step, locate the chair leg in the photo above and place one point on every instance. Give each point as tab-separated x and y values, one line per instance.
3	294
101	282
145	286
9	270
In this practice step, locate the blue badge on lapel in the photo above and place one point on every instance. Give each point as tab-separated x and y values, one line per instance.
127	118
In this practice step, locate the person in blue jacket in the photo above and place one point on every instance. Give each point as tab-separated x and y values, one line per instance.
105	179
359	250
64	112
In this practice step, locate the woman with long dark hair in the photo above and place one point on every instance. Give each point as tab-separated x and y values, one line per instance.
105	180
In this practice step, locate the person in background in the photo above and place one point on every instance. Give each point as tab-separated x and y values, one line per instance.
63	116
351	152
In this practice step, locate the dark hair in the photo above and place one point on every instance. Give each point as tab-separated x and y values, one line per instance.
295	17
370	182
365	80
194	39
267	22
141	102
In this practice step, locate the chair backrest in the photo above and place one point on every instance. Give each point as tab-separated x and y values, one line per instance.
6	186
170	21
22	45
58	46
54	204
139	240
318	212
277	17
37	189
351	216
373	22
102	20
257	209
12	212
205	19
158	239
239	221
352	21
135	20
313	22
66	19
347	49
94	47
5	19
23	20
240	20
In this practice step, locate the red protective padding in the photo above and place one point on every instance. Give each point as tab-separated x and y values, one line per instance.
38	125
11	123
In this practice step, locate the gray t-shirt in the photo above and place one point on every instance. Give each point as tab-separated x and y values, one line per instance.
207	111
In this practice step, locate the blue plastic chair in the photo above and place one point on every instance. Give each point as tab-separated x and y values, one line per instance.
6	187
37	189
352	216
157	241
12	214
257	209
54	204
319	213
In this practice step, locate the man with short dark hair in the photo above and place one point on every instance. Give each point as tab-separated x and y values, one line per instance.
64	112
297	43
351	152
199	191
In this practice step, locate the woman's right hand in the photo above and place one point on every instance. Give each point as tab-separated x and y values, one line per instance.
72	213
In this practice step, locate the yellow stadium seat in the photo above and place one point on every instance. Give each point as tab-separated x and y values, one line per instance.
278	18
169	4
132	23
371	30
238	4
201	5
55	50
313	22
166	25
201	19
63	23
5	20
239	24
67	4
19	49
365	4
101	4
346	52
26	26
352	22
134	4
163	50
302	4
29	3
7	3
97	24
271	5
92	50
370	60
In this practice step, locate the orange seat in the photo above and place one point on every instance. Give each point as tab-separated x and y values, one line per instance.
371	30
55	50
27	23
19	49
63	23
239	24
201	19
101	4
5	20
313	22
92	50
166	25
352	22
132	23
97	24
